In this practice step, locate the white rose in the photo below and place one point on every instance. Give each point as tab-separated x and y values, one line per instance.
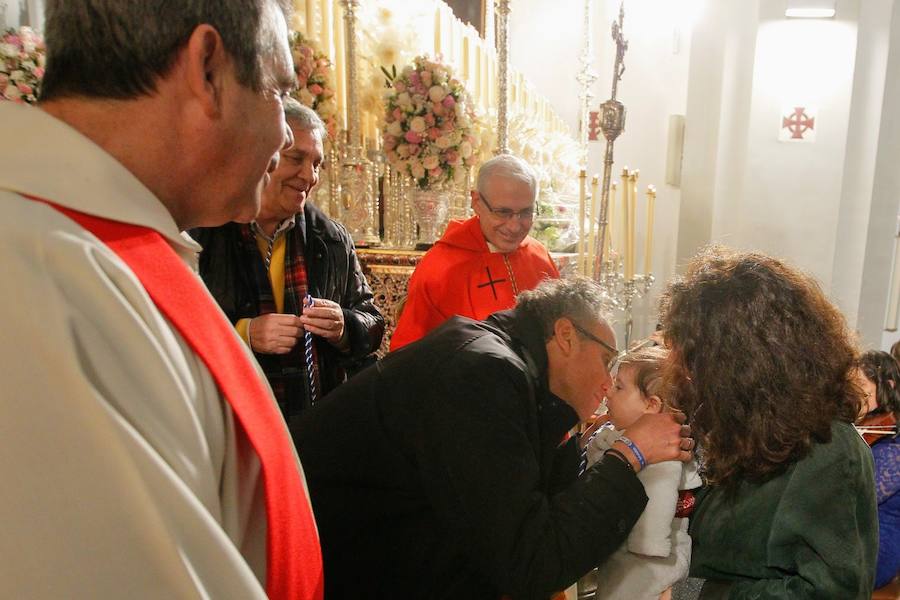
456	137
403	150
327	108
395	129
430	162
465	149
436	93
417	170
443	142
403	100
12	92
9	50
417	124
306	98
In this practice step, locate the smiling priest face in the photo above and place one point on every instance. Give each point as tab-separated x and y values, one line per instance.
505	209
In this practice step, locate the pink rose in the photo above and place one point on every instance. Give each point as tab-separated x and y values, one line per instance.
426	78
448	101
439	110
39	72
397	114
436	172
451	157
25	88
412	137
315	89
414	149
390	142
429	119
399	86
434	133
413	78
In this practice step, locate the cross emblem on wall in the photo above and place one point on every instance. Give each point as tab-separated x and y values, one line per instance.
798	124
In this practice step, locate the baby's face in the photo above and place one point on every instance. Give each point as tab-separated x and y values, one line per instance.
624	400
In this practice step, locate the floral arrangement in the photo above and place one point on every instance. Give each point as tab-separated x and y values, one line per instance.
315	87
22	59
429	126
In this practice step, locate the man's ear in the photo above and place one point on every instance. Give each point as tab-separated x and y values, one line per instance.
475	198
206	68
564	335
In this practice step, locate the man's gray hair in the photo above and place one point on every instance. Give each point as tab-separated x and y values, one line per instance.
120	48
303	117
578	298
509	167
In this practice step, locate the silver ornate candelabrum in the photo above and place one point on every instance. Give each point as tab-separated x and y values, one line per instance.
359	200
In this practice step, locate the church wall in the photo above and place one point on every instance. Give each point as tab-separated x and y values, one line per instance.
22	12
855	215
790	195
885	200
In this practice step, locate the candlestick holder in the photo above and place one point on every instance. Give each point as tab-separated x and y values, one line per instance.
358	198
622	292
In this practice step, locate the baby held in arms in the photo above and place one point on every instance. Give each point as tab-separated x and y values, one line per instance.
658	550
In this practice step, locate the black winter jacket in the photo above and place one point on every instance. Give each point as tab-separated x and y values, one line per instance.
454	484
333	273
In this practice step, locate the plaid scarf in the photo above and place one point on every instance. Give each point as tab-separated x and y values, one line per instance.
286	372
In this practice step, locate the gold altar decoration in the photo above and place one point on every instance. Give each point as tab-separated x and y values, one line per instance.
358	187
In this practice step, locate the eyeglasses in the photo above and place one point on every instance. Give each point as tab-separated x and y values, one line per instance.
616	353
507	214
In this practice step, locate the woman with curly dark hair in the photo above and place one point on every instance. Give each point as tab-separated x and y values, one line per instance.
763	365
879	378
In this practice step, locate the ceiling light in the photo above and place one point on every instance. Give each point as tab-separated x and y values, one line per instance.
810	9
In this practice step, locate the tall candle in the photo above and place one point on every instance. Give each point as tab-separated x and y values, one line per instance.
632	204
485	93
310	19
327	37
592	238
610	222
437	30
465	58
648	247
582	184
626	201
340	66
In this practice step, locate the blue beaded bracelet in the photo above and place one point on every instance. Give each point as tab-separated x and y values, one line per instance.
634	450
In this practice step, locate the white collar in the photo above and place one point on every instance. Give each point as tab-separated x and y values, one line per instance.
45	157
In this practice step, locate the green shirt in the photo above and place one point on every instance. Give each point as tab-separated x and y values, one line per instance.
811	532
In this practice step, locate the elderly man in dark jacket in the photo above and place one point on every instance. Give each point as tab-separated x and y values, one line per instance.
455	484
265	274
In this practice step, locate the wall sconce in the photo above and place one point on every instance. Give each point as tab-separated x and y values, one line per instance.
810	9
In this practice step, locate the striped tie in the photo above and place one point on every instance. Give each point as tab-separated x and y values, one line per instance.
308	355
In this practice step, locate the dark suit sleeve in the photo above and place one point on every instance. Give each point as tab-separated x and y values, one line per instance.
481	470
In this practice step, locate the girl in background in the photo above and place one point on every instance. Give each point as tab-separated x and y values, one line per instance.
879	378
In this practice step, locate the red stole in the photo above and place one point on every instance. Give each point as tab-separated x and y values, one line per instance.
294	559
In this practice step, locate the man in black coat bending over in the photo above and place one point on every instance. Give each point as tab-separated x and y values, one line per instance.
448	478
